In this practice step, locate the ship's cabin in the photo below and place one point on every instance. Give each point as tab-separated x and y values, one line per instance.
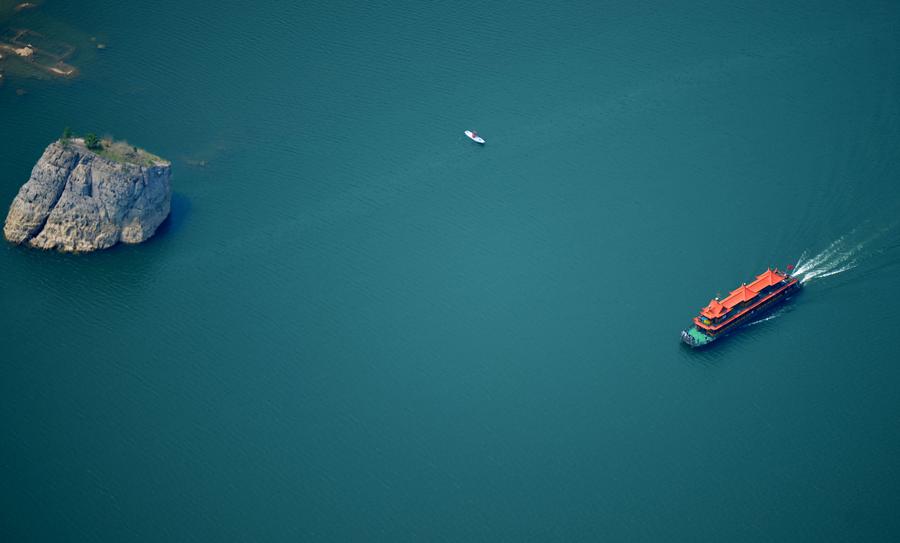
720	311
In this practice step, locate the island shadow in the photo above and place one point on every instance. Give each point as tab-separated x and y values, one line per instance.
181	208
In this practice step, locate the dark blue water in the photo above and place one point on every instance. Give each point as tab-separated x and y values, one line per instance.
358	326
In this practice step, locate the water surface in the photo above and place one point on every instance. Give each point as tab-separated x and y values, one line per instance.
359	326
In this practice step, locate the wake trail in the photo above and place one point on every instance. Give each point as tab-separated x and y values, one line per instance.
841	255
760	321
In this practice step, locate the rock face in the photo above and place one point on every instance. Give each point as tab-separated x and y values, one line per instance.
79	201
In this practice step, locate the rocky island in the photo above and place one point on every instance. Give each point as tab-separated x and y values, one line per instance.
82	199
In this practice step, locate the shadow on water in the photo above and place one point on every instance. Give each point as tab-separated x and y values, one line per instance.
121	268
178	217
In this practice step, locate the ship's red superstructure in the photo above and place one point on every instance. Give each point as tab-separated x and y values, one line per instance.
721	314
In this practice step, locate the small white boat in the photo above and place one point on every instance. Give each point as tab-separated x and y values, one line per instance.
475	137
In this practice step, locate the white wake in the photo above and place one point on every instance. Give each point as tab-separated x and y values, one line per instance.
760	321
841	255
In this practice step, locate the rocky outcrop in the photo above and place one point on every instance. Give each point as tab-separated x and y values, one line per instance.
77	200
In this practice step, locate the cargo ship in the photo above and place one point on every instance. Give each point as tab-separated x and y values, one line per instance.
740	307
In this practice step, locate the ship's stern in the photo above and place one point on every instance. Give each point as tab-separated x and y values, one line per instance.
694	338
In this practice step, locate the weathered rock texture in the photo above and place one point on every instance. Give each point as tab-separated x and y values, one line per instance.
77	200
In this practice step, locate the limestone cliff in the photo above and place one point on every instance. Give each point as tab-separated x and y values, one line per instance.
78	200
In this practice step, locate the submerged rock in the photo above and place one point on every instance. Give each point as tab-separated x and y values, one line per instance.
78	200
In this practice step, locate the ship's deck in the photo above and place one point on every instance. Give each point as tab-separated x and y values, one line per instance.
699	337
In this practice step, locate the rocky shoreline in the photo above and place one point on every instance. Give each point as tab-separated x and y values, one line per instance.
77	200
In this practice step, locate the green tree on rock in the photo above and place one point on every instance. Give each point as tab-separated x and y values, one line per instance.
92	142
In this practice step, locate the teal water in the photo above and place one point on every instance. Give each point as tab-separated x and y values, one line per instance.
358	326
